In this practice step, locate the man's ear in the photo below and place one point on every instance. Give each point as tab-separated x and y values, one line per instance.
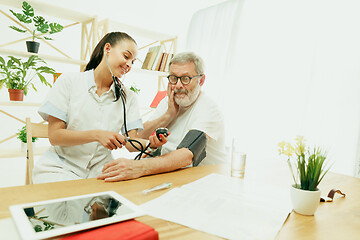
202	80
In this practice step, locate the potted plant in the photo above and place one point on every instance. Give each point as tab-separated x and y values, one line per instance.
18	75
21	134
36	25
308	169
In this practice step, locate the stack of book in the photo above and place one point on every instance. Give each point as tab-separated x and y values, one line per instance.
157	60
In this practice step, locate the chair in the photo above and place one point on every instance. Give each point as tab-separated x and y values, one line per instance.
39	130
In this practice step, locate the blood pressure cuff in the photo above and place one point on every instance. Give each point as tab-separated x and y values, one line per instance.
195	141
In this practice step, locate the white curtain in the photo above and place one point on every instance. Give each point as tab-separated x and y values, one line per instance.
284	68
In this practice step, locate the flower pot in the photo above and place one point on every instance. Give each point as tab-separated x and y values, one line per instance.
24	147
32	46
305	202
16	94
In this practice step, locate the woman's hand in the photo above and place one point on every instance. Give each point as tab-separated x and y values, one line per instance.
110	140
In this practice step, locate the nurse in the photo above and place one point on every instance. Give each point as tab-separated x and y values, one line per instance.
85	114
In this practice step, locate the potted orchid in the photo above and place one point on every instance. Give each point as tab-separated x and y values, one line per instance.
307	167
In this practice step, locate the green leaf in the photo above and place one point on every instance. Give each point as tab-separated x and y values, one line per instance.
21	17
2	60
17	29
33	86
30	62
43	80
47	38
27	9
43	28
135	89
46	69
37	228
16	60
38	20
55	27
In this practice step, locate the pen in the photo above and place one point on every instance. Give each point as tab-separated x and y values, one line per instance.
159	187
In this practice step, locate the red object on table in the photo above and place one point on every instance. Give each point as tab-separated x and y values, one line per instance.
128	230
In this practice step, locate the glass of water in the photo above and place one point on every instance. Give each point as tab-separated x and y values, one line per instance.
238	160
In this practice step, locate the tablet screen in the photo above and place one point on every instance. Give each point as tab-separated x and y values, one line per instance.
66	215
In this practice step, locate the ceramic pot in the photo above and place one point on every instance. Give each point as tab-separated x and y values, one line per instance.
16	94
24	147
303	201
32	46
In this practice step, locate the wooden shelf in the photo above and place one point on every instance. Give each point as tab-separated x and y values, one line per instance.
12	153
136	31
43	56
139	70
20	104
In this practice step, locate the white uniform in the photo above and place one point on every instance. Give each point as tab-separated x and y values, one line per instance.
203	115
73	99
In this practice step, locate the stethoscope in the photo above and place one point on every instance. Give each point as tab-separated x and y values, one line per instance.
119	94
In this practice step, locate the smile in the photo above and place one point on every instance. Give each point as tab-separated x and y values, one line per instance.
124	70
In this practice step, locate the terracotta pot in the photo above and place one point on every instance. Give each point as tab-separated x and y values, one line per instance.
305	202
16	94
32	46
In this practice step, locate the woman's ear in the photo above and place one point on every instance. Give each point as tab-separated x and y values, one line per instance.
107	48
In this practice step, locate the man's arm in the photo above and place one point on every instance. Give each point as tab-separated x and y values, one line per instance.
125	169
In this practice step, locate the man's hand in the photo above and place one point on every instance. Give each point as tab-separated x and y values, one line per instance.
155	142
121	169
110	140
173	107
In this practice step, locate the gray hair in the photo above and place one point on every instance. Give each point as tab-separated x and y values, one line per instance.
186	57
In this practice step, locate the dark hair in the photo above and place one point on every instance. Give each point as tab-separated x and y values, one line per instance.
112	38
97	54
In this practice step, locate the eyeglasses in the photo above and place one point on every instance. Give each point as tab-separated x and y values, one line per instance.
185	80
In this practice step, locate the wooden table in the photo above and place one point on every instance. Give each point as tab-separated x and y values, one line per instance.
337	220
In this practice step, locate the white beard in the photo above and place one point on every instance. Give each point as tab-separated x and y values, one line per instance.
189	98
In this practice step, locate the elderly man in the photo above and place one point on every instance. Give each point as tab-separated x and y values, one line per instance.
193	119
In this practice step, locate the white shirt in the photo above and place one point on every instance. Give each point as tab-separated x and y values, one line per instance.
73	99
203	115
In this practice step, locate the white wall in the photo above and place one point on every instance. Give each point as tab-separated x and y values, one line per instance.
294	70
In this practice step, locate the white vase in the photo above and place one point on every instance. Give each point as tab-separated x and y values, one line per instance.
24	147
303	201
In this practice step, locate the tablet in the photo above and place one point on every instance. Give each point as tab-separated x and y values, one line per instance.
45	219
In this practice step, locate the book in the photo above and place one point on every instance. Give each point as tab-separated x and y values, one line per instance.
152	57
163	63
168	61
147	58
159	50
128	230
157	68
